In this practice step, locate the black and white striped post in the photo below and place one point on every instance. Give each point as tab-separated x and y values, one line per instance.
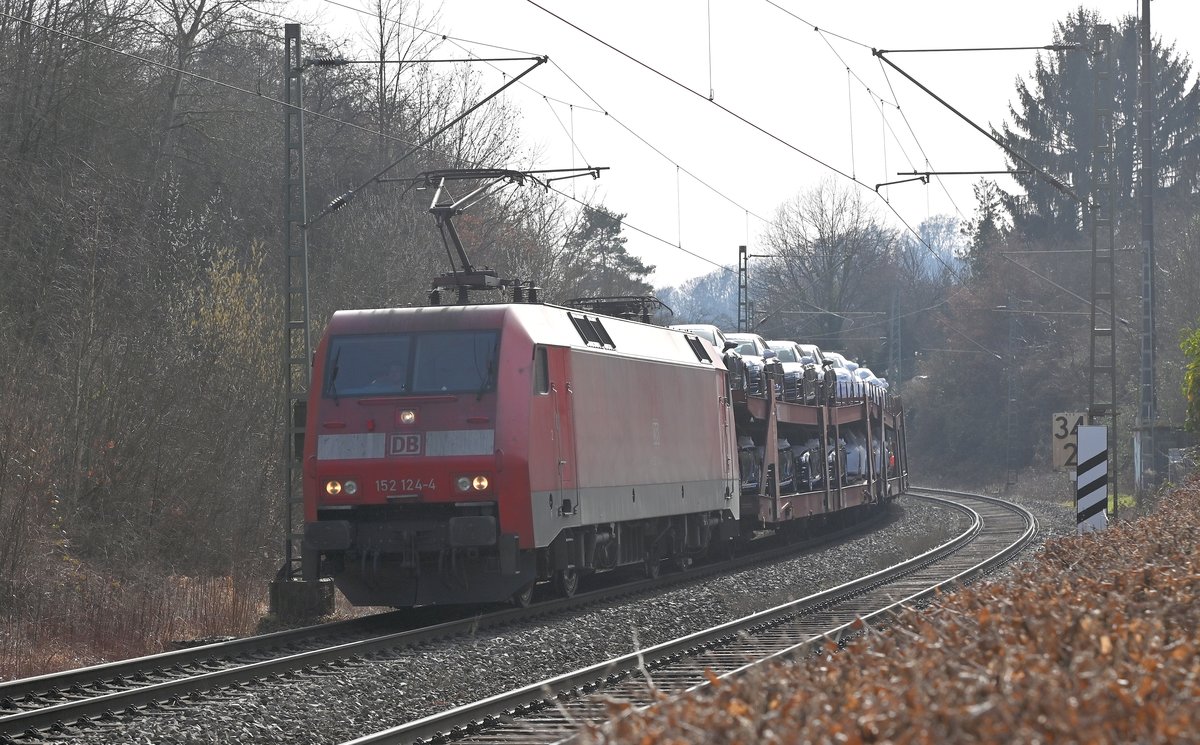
1091	479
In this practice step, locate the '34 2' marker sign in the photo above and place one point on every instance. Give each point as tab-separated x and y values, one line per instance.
1064	444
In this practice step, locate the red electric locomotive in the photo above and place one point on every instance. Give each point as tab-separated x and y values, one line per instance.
459	454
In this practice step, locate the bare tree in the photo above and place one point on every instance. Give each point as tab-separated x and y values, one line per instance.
825	244
399	47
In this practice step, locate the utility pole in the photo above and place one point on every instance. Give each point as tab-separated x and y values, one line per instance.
743	320
1102	367
1145	456
296	591
895	356
297	340
1010	402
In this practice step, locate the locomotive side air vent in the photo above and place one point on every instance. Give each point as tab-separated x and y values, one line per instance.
698	348
592	331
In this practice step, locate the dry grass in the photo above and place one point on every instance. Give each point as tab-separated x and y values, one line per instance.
1096	641
74	617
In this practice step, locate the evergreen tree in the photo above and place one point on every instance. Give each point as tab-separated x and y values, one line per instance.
1054	121
600	266
987	229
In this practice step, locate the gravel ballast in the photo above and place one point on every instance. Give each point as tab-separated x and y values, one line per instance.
354	701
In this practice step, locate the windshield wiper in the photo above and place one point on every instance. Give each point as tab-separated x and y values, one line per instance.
330	387
487	379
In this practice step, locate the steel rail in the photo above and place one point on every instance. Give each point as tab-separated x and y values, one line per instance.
72	698
192	655
553	710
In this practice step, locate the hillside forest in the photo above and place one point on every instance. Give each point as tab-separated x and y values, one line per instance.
140	298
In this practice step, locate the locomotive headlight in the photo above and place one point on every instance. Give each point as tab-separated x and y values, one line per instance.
408	416
472	483
350	487
333	488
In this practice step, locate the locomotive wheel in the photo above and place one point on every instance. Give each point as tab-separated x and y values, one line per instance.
566	582
523	598
682	563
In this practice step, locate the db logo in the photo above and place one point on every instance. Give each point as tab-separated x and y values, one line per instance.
405	444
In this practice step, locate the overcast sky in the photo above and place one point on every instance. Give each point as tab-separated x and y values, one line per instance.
819	96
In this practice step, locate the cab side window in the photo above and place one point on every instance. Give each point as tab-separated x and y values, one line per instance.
541	371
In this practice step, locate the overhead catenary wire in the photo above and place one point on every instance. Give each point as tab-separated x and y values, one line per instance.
345	198
924	155
850	129
281	103
679	167
882	102
431	32
1080	298
873	97
883	132
1049	178
824	33
753	125
569	132
691	90
599	110
969	338
648	234
814	26
654	148
415	147
423	146
895	102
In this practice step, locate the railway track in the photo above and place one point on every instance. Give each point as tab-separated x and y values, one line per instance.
52	706
554	710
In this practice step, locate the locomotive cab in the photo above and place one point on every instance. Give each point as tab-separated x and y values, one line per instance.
402	476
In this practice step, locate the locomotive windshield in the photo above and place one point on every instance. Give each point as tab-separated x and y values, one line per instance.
403	364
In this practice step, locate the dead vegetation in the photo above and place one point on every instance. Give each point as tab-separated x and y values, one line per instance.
1094	641
77	617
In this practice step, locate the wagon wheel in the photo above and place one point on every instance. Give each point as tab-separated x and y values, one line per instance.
523	598
566	582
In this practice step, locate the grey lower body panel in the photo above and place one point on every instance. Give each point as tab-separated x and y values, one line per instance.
385	581
614	504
